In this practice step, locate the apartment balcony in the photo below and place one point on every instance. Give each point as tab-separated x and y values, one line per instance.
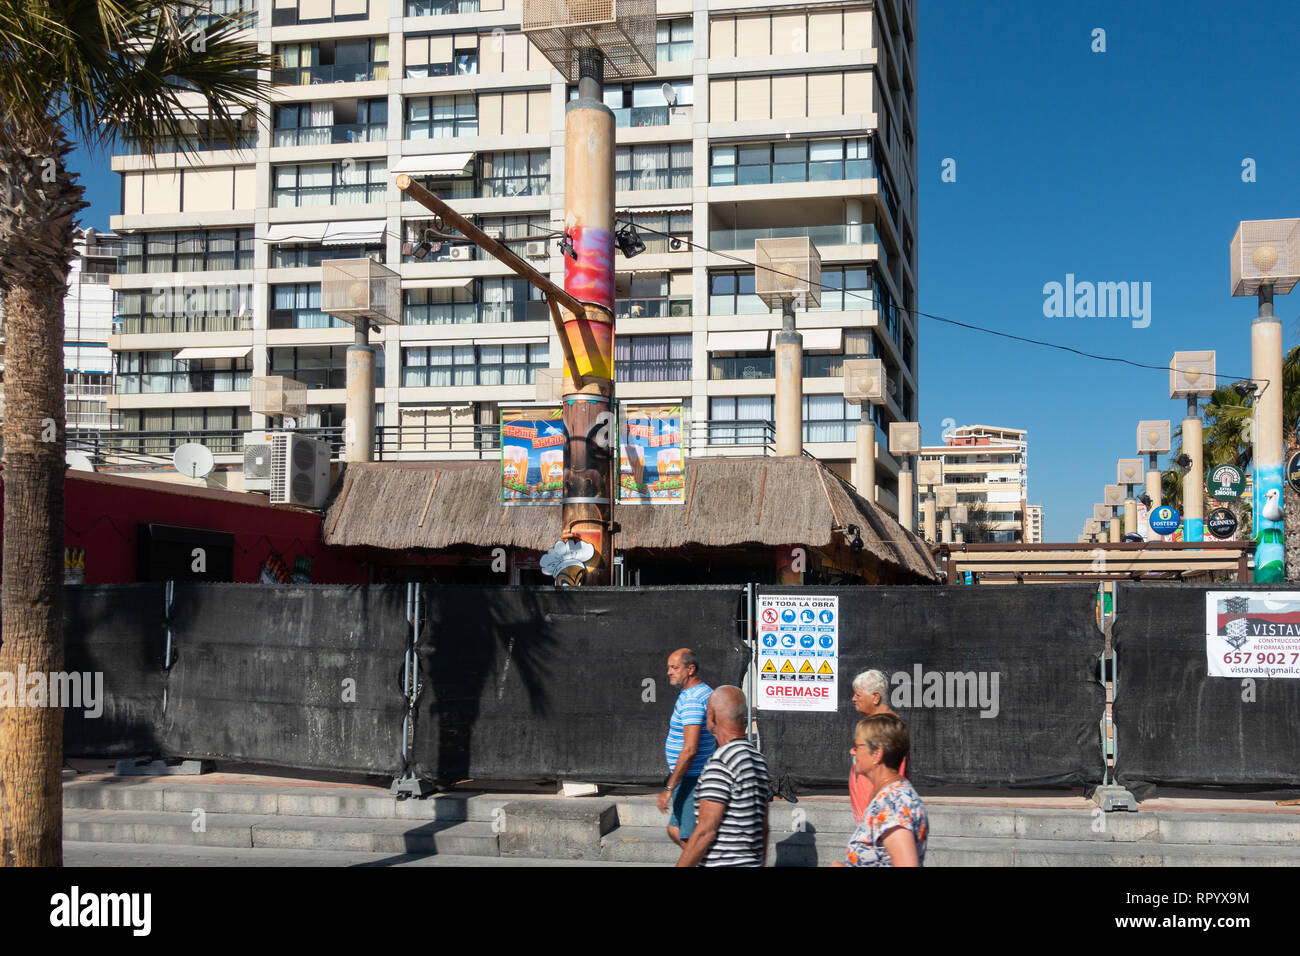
661	307
179	324
329	135
330	73
848	235
764	367
436	8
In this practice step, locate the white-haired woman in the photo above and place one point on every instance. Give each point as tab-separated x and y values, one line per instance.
870	696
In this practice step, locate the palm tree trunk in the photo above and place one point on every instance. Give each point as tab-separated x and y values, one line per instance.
44	199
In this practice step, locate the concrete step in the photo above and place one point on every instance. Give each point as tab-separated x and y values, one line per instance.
169	795
277	831
651	845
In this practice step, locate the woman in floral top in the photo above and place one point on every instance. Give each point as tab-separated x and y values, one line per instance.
894	827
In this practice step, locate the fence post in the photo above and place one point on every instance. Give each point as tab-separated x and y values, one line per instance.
408	784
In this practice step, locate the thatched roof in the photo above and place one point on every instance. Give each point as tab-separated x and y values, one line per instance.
729	501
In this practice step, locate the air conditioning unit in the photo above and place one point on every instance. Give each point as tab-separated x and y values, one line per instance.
494	232
300	470
257	461
461	253
537	250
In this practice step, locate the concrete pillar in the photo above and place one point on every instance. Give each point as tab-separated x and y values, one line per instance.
789	387
865	473
1115	535
359	428
1153	484
1194	480
958	536
1130	513
947	529
928	509
1266	369
905	494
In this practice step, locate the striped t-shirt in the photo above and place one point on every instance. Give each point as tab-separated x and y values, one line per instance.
737	777
692	703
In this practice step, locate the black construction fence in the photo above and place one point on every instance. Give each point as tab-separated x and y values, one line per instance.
999	685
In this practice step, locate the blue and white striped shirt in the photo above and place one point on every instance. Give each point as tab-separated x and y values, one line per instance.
688	711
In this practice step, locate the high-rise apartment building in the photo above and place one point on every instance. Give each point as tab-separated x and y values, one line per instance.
989	468
763	120
1033	524
87	321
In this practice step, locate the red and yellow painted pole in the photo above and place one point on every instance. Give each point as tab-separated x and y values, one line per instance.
589	277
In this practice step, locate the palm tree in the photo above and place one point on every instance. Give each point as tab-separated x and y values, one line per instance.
1226	427
97	70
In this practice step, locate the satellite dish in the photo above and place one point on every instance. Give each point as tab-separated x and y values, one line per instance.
192	460
78	461
670	95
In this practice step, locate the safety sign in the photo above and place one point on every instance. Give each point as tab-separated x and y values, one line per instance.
798	652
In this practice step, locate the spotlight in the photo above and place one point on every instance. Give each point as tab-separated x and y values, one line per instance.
566	247
1244	388
1145	499
422	250
1183	461
856	545
629	243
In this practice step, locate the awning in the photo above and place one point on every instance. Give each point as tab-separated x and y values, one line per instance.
297	232
526	340
459	282
651	210
445	164
354	233
816	340
427	343
214	352
737	342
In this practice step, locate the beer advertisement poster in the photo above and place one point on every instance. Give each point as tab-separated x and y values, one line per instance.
532	456
651	461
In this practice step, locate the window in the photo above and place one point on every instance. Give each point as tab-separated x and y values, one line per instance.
657	229
173	425
484	300
440	55
790	162
673	41
200	251
653	166
845	288
340	61
297	306
313	124
473	364
515	173
441	117
320	366
330	184
652	358
829	418
740	420
155	372
652	295
223	308
317	11
732	293
430	8
643	104
297	256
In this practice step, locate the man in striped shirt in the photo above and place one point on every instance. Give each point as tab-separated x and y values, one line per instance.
732	794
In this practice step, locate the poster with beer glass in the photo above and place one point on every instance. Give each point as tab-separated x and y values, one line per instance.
532	456
651	464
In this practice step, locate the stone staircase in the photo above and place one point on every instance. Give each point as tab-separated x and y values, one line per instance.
281	817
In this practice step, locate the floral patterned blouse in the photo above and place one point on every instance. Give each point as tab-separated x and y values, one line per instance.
897	805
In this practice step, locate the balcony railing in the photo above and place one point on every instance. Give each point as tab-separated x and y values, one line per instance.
195	143
326	135
152	324
652	370
333	73
428	8
204	380
339	195
654	308
738	436
764	366
860	233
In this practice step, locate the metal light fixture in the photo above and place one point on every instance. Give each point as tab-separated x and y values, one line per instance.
1183	461
629	243
1244	388
1145	499
566	247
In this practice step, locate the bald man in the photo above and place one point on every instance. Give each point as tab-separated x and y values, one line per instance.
689	744
733	792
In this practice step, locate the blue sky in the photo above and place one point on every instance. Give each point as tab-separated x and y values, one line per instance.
1117	166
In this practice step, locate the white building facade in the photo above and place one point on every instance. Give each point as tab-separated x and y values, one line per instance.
763	120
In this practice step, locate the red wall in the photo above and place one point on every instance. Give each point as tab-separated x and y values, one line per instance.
102	514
